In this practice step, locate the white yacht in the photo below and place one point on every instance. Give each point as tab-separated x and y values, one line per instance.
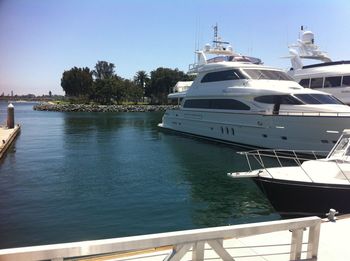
219	51
311	187
330	76
179	91
257	106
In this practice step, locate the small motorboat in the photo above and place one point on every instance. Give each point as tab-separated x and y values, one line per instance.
310	186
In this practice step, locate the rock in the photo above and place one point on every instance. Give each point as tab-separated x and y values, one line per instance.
101	108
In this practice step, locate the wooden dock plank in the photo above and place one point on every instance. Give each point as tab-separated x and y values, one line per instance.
7	137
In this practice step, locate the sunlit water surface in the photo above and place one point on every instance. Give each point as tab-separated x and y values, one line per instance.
84	176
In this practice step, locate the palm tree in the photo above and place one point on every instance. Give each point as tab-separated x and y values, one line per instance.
141	79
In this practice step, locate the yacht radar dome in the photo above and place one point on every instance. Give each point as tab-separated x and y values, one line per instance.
308	37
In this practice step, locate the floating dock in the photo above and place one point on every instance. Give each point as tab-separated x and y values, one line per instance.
7	137
308	238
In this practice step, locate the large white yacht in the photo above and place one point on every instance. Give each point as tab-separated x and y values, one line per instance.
219	51
330	76
257	106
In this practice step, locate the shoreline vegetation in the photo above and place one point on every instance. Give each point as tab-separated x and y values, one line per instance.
103	86
102	90
101	108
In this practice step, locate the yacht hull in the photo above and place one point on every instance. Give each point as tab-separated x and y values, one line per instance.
290	132
295	198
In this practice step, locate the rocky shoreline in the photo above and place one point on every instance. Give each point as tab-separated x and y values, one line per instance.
101	108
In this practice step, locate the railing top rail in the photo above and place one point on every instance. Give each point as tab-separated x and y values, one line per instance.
102	246
284	154
270	113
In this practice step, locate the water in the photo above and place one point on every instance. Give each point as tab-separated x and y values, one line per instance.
85	176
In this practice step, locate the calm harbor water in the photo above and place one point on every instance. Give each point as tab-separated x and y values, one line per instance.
84	176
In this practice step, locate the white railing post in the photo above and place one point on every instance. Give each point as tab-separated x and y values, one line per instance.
198	251
314	237
296	244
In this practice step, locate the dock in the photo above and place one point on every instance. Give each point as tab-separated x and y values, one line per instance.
309	238
7	137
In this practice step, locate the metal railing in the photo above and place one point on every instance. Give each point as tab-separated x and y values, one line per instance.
181	242
296	156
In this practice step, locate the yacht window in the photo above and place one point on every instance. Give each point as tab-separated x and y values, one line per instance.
316	83
305	83
267	75
318	99
197	103
332	81
346	81
280	99
227	75
228	104
220	104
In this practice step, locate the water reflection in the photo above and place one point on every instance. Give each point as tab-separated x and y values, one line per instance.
217	199
84	176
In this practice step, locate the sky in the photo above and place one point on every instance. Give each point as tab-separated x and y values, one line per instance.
40	39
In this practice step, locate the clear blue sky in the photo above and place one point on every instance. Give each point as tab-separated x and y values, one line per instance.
39	39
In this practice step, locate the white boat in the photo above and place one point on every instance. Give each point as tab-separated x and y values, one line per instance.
179	91
309	188
329	76
219	51
253	105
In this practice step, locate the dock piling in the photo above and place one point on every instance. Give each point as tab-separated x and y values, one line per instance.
10	116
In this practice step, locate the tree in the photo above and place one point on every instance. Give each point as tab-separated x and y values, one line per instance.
104	70
107	90
133	91
162	80
77	81
141	79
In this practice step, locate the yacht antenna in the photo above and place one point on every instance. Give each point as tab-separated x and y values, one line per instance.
215	34
196	40
217	39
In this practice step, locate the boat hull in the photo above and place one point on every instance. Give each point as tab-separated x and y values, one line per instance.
290	132
295	198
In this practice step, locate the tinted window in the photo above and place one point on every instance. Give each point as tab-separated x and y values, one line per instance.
198	103
305	83
221	104
267	75
228	104
227	75
317	99
346	81
332	81
316	83
281	99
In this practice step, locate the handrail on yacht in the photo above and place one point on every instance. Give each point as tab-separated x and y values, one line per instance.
180	242
305	113
298	156
278	155
272	113
336	161
301	155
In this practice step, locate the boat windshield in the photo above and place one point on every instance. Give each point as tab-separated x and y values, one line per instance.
258	74
316	98
342	148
